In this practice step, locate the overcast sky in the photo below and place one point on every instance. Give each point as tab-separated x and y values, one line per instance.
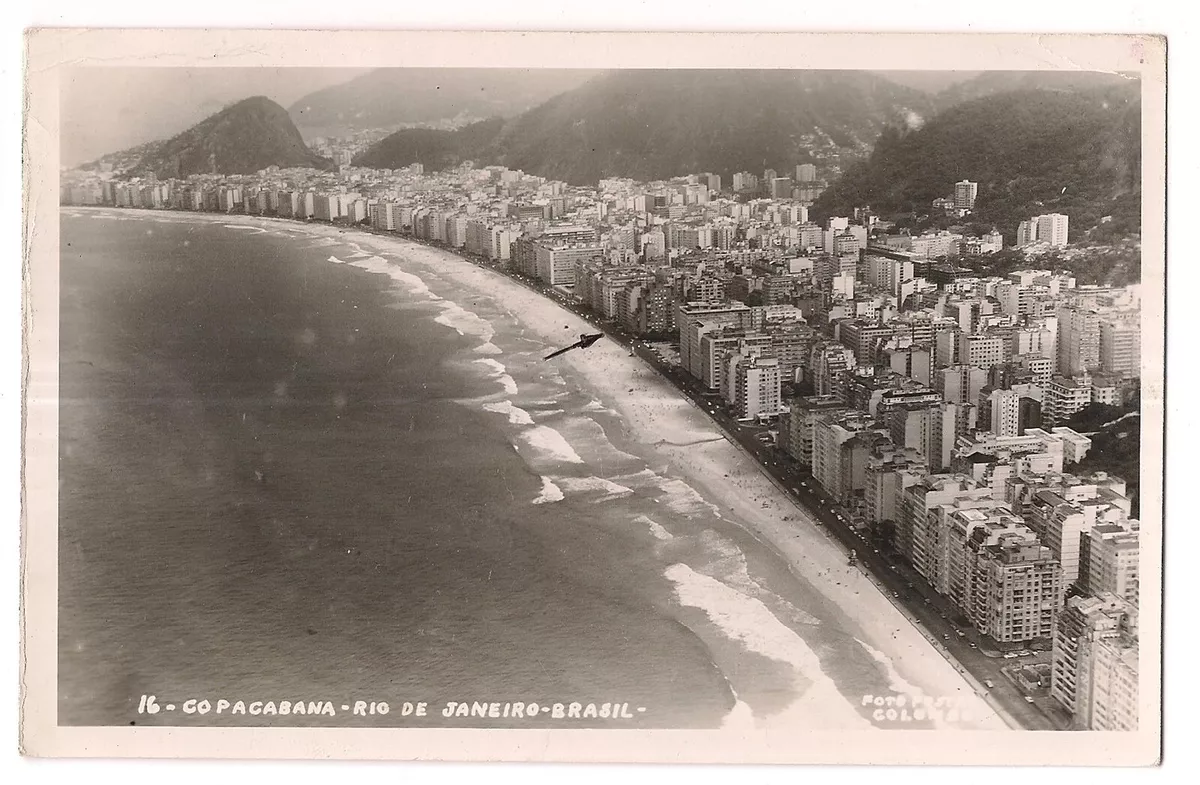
110	109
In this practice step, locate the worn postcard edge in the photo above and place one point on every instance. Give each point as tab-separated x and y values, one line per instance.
49	51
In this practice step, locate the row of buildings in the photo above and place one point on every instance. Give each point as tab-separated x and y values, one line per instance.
928	401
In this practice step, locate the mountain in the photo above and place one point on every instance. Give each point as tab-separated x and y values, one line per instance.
989	83
436	149
649	124
1030	151
241	139
928	81
388	97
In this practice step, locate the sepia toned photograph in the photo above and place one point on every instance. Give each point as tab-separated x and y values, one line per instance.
464	394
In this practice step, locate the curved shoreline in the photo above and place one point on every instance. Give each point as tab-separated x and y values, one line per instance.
665	422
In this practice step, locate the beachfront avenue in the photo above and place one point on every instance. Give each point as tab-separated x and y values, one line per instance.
900	392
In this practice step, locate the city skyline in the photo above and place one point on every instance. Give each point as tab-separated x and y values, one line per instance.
862	436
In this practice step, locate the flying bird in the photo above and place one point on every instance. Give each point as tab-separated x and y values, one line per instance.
585	340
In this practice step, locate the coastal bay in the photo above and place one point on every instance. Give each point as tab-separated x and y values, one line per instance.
797	635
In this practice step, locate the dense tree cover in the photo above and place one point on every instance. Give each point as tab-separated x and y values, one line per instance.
241	139
1118	264
658	124
388	97
435	149
1030	151
990	83
1116	449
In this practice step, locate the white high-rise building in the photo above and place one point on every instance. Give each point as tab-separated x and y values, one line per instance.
1052	229
1006	410
754	385
1094	665
1026	233
964	194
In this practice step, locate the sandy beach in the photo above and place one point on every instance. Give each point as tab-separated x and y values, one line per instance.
687	444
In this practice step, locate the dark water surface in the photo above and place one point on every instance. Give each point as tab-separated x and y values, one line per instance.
292	471
268	491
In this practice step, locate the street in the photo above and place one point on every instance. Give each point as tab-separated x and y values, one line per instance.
933	614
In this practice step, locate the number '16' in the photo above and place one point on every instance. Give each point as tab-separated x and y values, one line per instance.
147	705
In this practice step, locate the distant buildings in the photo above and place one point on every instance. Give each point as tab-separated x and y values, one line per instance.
1120	347
1094	672
1050	229
964	195
926	398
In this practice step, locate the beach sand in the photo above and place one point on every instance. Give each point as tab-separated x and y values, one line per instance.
691	446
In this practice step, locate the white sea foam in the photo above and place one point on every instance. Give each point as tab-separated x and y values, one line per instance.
324	242
727	563
595	406
255	229
643	477
548	412
336	260
359	254
488	348
413	283
515	414
656	528
740	717
550	492
465	322
550	443
608	488
685	500
896	682
749	622
500	373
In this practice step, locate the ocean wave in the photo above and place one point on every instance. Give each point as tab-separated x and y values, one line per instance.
595	406
550	492
656	528
548	412
336	260
413	283
608	488
644	477
727	563
488	348
465	322
750	623
550	443
500	373
740	717
515	414
686	500
896	682
246	227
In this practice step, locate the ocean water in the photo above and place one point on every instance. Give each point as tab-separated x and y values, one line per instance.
292	469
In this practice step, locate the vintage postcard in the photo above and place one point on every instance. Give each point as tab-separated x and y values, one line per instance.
594	397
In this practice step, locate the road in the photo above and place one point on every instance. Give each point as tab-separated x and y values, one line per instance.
930	612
